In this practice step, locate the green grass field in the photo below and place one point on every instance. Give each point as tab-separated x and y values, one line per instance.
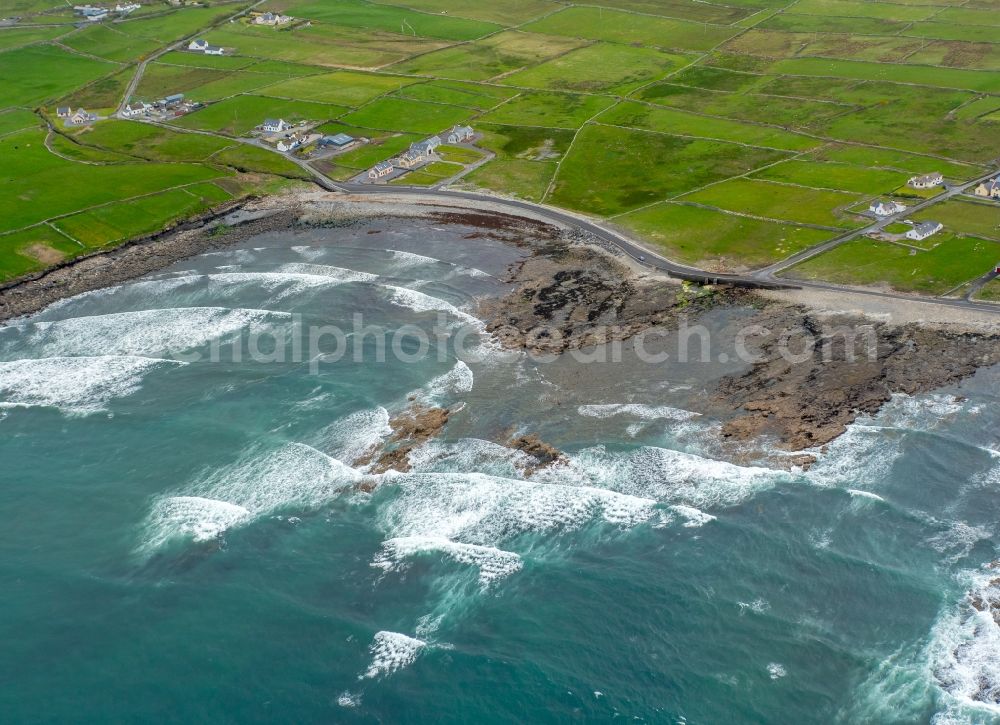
839	177
715	240
981	219
779	202
951	263
237	115
397	114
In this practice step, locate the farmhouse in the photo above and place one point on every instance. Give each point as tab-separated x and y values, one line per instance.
275	125
882	207
339	140
126	8
425	147
63	111
132	110
989	189
81	116
291	142
213	50
459	134
199	45
922	230
926	181
382	168
272	19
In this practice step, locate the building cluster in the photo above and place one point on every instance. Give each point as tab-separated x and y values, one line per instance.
202	46
272	19
421	152
79	117
989	189
94	13
290	140
926	181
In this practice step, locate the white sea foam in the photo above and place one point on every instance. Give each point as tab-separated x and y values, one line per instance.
74	385
694	518
457	380
308	252
776	670
469	455
855	493
410	260
421	302
356	434
326	271
959	539
493	563
636	410
479	509
391	651
964	653
142	333
862	455
666	475
260	483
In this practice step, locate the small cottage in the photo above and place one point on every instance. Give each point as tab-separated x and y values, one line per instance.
926	181
460	134
275	125
382	168
882	207
922	230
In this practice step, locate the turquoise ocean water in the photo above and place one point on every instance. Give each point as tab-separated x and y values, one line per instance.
183	539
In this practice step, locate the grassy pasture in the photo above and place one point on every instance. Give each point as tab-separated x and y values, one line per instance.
952	31
990	292
723	13
966	217
599	68
244	157
667	120
956	54
118	222
237	115
555	110
694	235
199	60
503	12
969	16
716	79
346	88
233	84
457	93
32	250
646	167
359	14
779	202
861	9
38	185
17	37
489	57
791	113
982	81
71	149
177	24
397	114
525	143
980	107
852	47
379	149
36	73
953	261
516	177
622	27
840	177
104	42
152	142
911	164
798	23
16	119
161	80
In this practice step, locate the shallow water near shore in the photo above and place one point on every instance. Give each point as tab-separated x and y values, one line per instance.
185	536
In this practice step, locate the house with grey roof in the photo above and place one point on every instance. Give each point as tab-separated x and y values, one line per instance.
926	181
81	117
382	168
883	207
460	134
64	111
199	44
922	230
275	125
425	147
412	157
990	189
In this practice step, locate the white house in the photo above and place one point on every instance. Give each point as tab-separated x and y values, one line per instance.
64	111
460	134
132	110
382	168
926	181
199	44
882	207
213	50
275	125
126	8
290	143
922	230
989	189
271	19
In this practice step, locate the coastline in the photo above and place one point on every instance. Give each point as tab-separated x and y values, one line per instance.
585	294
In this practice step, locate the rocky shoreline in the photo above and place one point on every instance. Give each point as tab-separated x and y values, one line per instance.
569	292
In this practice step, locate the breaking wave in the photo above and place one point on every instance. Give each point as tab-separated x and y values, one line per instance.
493	563
391	651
